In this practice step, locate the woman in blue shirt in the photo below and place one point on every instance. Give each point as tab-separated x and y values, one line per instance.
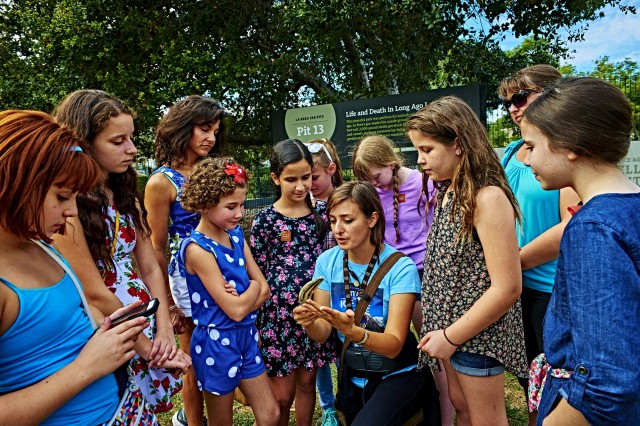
357	222
576	133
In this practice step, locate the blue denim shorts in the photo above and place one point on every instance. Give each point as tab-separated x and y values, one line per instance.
476	364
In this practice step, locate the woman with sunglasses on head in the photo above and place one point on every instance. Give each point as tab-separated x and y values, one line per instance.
327	172
326	176
544	213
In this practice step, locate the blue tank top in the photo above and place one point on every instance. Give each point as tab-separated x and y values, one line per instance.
181	222
540	211
49	332
206	312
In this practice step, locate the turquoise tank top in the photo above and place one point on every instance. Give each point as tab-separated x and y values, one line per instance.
540	211
49	332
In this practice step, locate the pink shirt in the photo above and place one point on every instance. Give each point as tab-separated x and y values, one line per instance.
413	221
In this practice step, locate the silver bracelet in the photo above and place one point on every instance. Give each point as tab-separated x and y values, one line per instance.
365	338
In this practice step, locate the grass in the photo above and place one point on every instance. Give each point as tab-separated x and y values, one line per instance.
243	416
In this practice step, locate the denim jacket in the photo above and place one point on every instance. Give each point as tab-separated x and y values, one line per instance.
592	325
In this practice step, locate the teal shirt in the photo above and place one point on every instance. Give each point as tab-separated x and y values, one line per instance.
540	211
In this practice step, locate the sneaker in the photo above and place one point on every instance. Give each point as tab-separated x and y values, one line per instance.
329	418
179	418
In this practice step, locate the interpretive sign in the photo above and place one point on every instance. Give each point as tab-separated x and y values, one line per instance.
346	123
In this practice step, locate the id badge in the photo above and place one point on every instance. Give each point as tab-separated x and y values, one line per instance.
285	235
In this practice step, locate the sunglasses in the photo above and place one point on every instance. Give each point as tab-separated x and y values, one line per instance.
518	99
315	147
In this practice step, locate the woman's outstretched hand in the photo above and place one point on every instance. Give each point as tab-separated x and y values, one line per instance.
341	321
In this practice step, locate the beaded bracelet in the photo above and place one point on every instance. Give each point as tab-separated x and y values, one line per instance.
444	331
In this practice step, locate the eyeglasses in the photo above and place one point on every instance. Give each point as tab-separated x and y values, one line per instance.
315	147
518	99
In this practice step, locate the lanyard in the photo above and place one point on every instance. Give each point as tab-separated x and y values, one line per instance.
361	287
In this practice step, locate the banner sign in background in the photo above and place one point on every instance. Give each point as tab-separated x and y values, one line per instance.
346	123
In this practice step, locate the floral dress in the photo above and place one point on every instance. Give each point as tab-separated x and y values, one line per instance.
157	384
455	276
286	250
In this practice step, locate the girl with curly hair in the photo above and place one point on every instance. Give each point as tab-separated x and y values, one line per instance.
226	288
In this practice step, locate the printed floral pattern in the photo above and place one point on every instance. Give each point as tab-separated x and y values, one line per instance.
455	276
538	373
157	384
130	413
287	266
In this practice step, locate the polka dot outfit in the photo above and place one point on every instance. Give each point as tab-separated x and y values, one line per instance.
223	351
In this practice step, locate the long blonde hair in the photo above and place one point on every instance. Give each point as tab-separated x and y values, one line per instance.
379	151
448	120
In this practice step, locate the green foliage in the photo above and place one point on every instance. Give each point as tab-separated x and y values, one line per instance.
503	131
625	75
256	56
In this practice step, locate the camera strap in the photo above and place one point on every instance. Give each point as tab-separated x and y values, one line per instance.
371	288
360	287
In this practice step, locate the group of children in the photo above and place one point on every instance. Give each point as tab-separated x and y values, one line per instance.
474	237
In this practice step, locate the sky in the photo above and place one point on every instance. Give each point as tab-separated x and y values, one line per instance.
616	35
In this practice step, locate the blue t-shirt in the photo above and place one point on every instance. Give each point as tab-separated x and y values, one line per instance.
401	278
591	326
206	312
540	211
49	332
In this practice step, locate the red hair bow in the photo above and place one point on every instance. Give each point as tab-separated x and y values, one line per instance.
239	176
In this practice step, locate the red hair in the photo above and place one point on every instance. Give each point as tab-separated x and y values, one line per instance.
36	153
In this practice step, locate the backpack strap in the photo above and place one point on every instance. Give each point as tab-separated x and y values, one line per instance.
372	286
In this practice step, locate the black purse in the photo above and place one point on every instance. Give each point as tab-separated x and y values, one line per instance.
363	361
361	357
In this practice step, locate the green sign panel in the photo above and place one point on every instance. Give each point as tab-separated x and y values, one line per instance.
310	123
346	123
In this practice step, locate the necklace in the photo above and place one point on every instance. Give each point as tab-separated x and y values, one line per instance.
360	287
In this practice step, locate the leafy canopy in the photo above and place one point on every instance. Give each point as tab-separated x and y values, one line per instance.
256	56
